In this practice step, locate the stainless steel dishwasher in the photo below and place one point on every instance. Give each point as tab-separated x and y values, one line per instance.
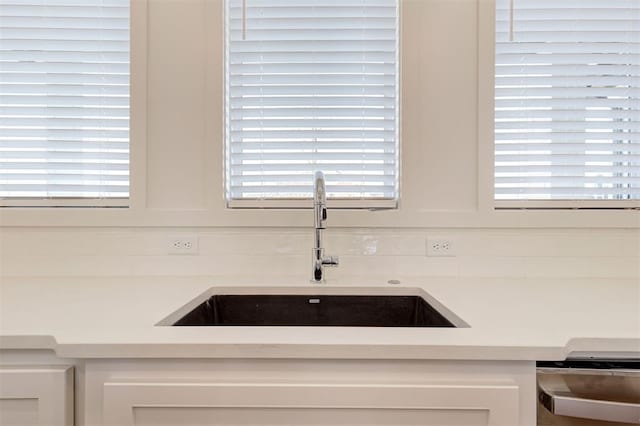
589	392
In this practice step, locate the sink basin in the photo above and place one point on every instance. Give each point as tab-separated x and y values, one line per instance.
324	311
321	308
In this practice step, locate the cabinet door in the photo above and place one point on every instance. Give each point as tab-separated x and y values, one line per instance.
36	396
183	404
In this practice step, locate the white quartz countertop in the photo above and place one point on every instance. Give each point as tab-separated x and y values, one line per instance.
509	319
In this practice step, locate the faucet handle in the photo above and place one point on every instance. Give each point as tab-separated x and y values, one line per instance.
331	261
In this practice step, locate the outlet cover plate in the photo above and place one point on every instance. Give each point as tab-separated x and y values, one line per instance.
182	244
441	247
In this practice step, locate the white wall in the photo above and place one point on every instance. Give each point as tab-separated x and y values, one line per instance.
383	253
177	174
439	136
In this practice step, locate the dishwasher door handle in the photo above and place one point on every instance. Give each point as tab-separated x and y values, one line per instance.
572	406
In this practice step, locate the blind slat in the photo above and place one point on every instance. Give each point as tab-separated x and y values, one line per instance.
240	103
564	148
566	36
69	134
64	68
565	114
53	8
615	129
567	58
56	165
59	178
305	161
314	57
560	102
587	92
85	57
87	101
270	168
311	112
566	70
303	36
65	45
29	111
313	68
326	23
63	189
64	89
326	80
560	158
312	125
87	79
11	145
590	12
565	170
566	47
589	81
378	180
567	193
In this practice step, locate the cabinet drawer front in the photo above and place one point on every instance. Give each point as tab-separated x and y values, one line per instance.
36	396
128	403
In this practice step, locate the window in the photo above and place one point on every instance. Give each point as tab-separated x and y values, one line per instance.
311	85
64	102
567	107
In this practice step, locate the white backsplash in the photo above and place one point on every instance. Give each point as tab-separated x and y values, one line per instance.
522	253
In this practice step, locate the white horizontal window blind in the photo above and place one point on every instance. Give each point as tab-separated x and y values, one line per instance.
64	102
311	85
567	106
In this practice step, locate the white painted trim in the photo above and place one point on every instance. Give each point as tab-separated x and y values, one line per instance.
399	102
486	102
122	218
138	105
138	43
214	148
122	398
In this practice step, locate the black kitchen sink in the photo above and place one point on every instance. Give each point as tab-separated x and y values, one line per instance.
309	310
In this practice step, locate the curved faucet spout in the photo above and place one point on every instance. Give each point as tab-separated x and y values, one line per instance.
319	201
319	261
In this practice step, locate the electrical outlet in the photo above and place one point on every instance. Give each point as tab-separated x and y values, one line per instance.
440	247
182	245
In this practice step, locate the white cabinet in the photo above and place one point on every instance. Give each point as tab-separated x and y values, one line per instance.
194	403
310	392
36	396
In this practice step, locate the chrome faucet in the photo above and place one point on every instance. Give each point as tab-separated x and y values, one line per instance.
320	216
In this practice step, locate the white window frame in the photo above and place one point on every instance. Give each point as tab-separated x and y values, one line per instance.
214	214
304	203
137	131
487	45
